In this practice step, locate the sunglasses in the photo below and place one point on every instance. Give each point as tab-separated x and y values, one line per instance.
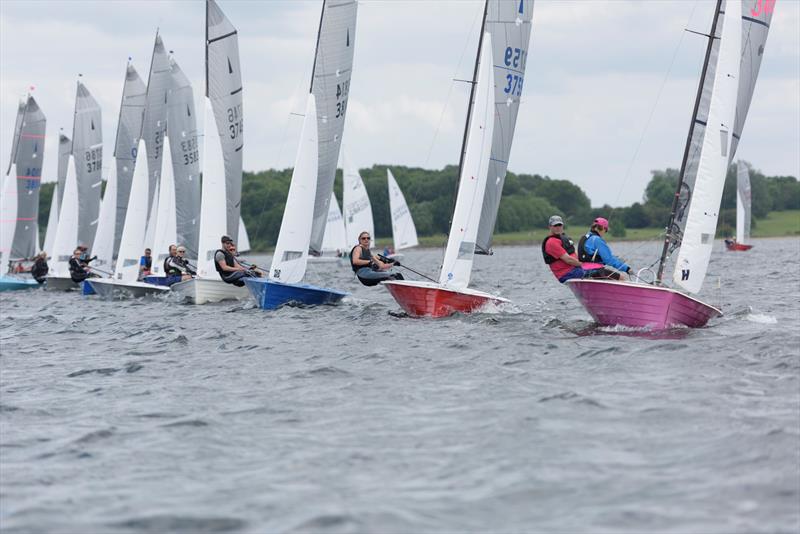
365	238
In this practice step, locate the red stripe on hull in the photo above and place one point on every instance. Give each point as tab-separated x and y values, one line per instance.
422	301
637	305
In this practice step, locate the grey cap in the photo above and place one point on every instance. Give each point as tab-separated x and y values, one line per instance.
555	219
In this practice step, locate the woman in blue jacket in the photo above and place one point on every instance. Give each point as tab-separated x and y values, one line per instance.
593	248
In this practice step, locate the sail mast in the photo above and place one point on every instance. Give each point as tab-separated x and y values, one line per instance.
206	50
663	260
316	47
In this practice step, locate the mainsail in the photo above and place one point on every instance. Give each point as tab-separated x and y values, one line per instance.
330	84
87	148
224	88
356	208
742	202
185	153
404	233
28	159
509	24
701	222
155	115
755	21
129	128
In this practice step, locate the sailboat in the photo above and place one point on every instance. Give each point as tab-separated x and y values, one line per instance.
451	293
404	233
221	159
103	249
732	60
356	207
307	205
743	192
334	243
19	209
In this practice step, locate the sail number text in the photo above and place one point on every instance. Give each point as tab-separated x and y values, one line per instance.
191	153
235	121
342	91
94	159
515	58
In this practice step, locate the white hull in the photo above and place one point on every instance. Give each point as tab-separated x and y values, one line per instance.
204	291
108	288
60	283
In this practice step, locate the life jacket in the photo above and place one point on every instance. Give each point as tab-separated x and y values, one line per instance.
167	266
566	242
39	270
229	261
585	256
172	266
364	255
76	271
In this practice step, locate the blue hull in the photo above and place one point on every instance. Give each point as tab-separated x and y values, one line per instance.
165	281
12	283
87	289
270	295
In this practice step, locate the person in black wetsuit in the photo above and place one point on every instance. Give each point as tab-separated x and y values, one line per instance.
79	269
177	266
228	265
369	268
40	268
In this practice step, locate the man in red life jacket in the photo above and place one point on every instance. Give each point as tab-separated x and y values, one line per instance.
558	251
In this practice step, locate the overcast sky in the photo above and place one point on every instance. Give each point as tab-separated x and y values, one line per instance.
600	75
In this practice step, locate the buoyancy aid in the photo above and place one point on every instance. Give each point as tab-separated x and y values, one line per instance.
585	256
363	255
229	261
566	242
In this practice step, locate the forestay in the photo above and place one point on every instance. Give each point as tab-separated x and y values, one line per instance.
334	239
742	202
67	230
87	148
224	88
131	245
129	129
182	133
28	159
404	232
212	205
291	252
155	115
330	84
509	24
356	207
457	264
755	21
698	237
106	226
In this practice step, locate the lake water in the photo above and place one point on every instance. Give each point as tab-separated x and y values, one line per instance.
152	416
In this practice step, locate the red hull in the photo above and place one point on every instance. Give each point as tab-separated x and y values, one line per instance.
624	303
737	247
422	299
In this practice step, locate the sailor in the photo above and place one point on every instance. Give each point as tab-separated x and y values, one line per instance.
40	269
173	252
177	266
145	264
229	267
368	267
594	249
559	253
79	270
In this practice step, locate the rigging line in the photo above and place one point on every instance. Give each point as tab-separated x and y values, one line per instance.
652	111
450	89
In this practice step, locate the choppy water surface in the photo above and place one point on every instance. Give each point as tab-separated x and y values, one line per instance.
150	416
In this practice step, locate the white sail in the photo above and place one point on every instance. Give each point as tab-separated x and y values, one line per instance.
244	238
291	251
701	223
457	265
404	233
165	232
213	218
8	216
103	246
52	223
131	245
67	230
334	239
356	207
152	220
743	193
87	149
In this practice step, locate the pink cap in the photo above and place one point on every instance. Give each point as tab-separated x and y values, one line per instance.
600	221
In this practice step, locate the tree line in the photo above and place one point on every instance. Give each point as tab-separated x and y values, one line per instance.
528	201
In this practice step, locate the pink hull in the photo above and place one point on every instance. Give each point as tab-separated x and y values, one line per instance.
610	303
421	299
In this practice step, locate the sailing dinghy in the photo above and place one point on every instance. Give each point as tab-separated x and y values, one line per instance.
334	243
307	205
452	294
743	195
732	61
404	233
